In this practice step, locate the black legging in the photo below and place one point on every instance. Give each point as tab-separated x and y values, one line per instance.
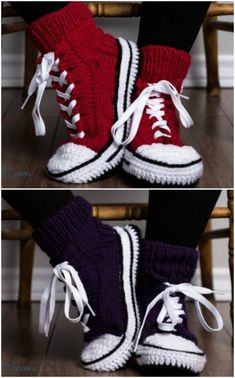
175	216
179	216
174	24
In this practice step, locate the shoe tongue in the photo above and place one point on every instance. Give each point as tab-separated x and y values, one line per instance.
170	115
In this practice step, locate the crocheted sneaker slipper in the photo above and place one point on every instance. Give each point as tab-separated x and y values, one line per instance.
164	339
155	151
97	264
93	75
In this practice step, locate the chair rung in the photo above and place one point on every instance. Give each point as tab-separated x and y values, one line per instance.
17	234
216	234
221	25
10	214
120	211
114	9
9	12
13	28
128	9
216	9
220	212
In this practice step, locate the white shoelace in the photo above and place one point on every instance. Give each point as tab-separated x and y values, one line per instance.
155	108
172	308
74	290
39	82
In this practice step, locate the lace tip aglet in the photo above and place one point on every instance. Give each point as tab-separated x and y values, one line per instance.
43	332
91	310
24	103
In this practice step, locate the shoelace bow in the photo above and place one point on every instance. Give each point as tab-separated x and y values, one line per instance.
39	82
155	108
74	290
172	309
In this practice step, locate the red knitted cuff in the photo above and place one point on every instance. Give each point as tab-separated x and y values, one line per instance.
49	30
164	63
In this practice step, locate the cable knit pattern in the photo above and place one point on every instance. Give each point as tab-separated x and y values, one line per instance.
158	142
93	75
93	249
105	259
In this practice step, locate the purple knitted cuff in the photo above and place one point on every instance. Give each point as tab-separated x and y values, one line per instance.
168	262
49	30
54	235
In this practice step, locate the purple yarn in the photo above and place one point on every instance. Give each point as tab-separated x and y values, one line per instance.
94	250
159	263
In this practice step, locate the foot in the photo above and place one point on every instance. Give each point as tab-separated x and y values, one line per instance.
97	265
164	339
155	151
93	75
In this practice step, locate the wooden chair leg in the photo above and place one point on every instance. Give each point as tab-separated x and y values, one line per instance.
26	269
205	250
211	50
30	63
230	206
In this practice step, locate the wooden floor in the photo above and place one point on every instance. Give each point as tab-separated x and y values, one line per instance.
26	353
24	156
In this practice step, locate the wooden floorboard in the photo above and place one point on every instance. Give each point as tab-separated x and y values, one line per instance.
26	353
24	348
217	345
8	96
226	104
24	156
225	312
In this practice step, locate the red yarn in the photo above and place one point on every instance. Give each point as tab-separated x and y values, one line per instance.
164	63
90	57
49	30
160	63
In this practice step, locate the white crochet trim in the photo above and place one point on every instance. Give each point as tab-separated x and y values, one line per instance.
130	56
115	358
176	351
100	346
164	154
71	156
168	153
113	154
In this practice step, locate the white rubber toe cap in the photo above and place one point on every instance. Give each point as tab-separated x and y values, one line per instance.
97	355
171	341
168	153
171	350
99	347
69	156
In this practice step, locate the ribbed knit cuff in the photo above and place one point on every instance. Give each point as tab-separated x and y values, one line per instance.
164	63
172	263
54	235
49	30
